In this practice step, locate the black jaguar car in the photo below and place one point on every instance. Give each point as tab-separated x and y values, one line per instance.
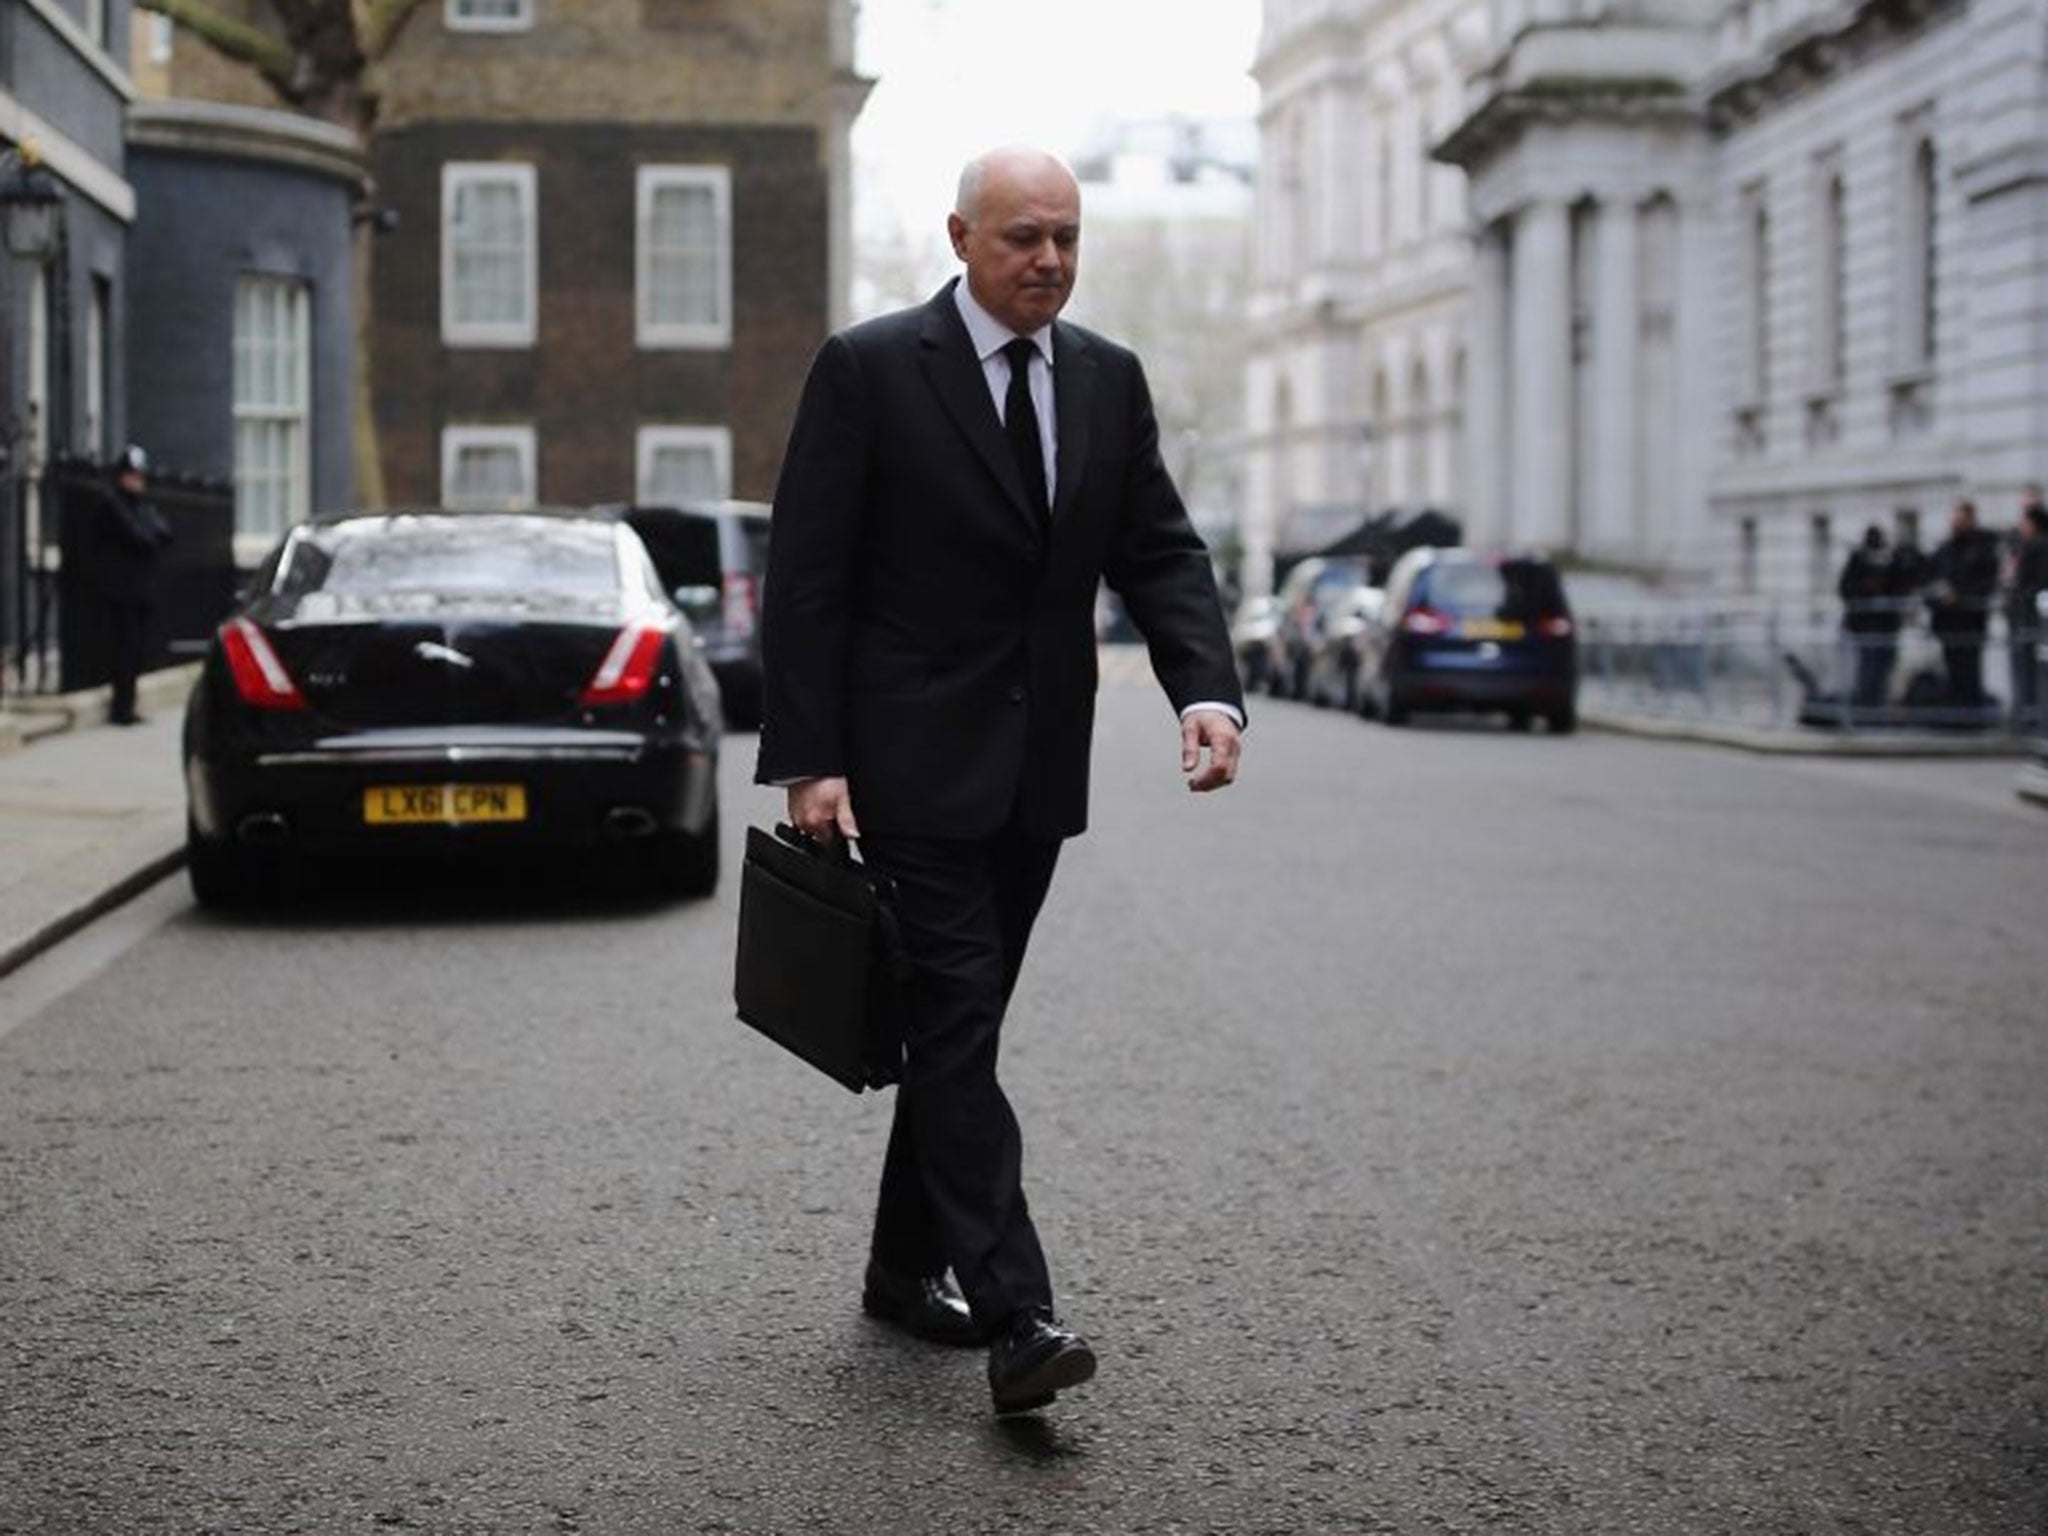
452	683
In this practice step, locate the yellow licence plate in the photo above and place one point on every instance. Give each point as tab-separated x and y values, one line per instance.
1490	629
446	805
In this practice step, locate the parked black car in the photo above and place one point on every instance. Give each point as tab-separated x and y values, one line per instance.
1460	631
452	683
713	557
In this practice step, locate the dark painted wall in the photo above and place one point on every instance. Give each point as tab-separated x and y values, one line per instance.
201	223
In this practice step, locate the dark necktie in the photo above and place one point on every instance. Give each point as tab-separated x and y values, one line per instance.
1020	422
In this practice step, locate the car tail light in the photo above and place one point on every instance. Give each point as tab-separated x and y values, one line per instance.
1428	621
1554	626
260	678
628	668
742	605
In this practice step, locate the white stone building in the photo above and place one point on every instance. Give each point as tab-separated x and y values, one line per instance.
1729	280
1166	206
1880	284
1357	367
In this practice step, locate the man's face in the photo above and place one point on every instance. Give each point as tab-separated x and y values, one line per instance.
131	482
1021	241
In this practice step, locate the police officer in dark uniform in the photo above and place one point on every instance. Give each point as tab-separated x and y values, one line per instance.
130	538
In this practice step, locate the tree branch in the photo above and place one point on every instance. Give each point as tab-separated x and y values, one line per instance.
380	21
230	38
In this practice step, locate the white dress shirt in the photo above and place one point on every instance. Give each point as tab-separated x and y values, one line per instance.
990	336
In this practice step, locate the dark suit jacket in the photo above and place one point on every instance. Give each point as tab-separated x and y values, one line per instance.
921	634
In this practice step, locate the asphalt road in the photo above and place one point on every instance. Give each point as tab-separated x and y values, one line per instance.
1441	1132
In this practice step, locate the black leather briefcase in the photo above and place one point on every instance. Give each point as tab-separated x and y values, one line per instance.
820	957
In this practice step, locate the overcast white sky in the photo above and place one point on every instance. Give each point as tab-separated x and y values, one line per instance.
957	76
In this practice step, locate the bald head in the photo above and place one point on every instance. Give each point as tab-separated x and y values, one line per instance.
1009	163
1016	223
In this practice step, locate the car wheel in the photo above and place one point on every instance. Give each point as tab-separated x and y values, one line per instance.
1394	711
1518	719
685	863
1563	721
223	876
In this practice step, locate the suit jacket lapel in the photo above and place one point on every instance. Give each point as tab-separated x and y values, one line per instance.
947	355
1073	393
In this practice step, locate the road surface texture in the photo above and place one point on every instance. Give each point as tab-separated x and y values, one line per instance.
1443	1131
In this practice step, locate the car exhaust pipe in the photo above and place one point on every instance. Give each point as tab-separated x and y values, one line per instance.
627	822
265	828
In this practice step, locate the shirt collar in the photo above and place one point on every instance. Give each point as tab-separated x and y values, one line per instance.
989	334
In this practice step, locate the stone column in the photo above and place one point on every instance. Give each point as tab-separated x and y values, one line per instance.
1616	326
1486	392
1542	424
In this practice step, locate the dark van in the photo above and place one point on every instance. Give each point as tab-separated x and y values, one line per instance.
1463	631
712	558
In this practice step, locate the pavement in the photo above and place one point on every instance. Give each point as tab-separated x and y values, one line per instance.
92	813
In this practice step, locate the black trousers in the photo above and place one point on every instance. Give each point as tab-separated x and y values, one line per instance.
1962	652
127	635
952	1181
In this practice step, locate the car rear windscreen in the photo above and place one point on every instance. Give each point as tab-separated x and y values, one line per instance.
524	557
1514	589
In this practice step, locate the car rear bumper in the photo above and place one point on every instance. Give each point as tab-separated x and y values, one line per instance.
580	789
1454	680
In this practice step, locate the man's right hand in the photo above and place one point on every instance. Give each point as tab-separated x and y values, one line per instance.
822	808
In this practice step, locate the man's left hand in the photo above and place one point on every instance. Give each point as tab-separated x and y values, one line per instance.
1216	733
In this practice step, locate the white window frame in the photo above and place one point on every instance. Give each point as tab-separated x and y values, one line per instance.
99	304
296	412
649	441
460	20
647	181
518	438
490	333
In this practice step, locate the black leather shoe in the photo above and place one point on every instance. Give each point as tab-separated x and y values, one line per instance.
924	1305
1033	1359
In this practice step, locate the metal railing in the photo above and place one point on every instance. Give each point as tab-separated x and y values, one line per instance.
1880	667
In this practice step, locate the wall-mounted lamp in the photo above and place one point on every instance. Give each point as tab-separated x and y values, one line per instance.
31	207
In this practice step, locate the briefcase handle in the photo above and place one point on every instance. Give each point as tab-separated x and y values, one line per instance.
839	851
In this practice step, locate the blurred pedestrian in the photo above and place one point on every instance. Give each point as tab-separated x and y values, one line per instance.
959	478
129	539
1963	578
2025	584
1871	616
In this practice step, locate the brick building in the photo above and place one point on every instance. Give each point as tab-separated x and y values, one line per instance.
622	230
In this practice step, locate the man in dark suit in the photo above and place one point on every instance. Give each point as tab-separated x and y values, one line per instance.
960	478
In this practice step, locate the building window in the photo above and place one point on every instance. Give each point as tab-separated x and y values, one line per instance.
161	30
1749	555
487	469
1756	371
1831	283
98	326
271	389
1820	555
678	465
489	15
683	289
1926	204
489	271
